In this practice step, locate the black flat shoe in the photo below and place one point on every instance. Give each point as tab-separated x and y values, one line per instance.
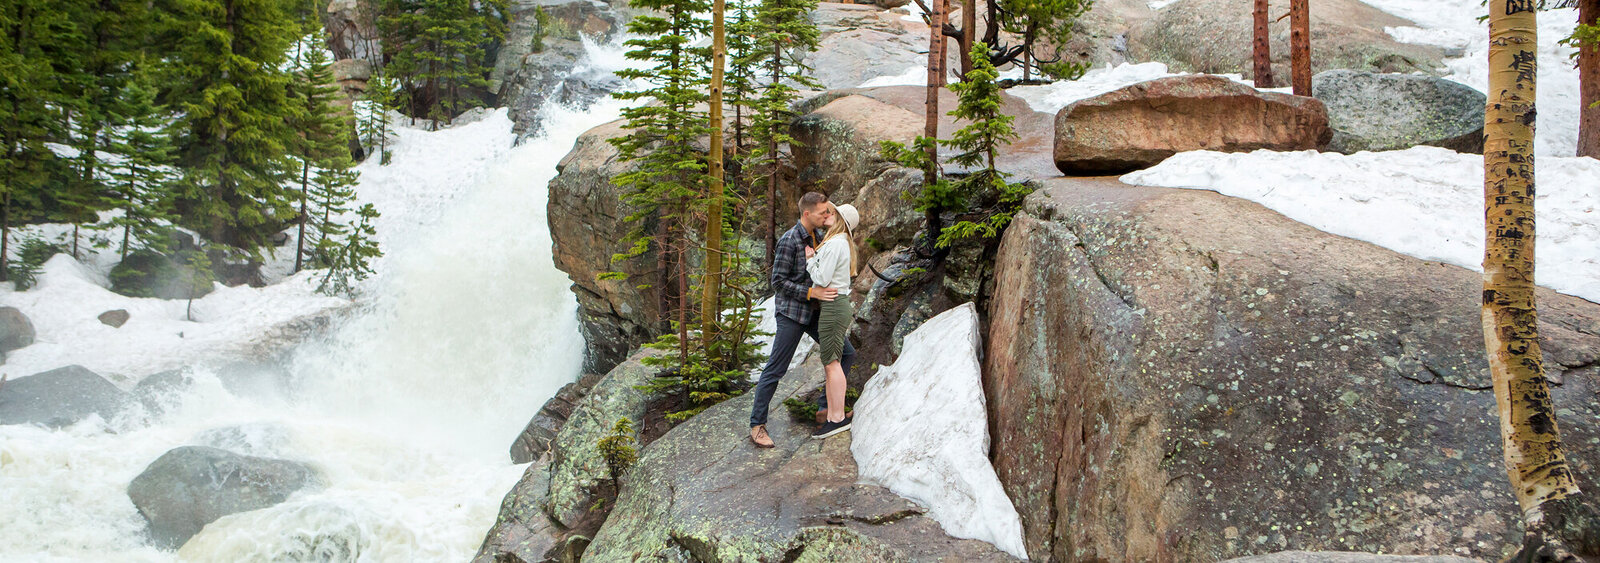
831	428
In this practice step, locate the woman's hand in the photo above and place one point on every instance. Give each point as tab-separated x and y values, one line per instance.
810	252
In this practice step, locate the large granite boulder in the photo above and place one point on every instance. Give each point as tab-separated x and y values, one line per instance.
1141	125
1382	112
859	42
1178	375
1214	36
60	397
191	486
703	492
16	330
564	496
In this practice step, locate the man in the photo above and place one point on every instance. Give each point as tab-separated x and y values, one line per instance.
795	300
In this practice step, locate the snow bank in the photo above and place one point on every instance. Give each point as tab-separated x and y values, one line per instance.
921	430
1426	202
69	298
1050	98
1454	24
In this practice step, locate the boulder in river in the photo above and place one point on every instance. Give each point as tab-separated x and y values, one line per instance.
60	397
16	330
191	486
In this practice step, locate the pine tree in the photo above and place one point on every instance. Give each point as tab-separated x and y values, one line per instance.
350	257
440	48
321	133
332	193
669	175
376	126
782	35
232	95
35	46
1049	20
987	131
141	178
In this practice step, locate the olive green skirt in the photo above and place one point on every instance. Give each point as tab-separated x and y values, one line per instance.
833	326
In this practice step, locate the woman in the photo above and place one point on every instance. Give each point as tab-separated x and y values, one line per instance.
833	264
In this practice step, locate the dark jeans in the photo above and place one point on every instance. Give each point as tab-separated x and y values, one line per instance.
783	345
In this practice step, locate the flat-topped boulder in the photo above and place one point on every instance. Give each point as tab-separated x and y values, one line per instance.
1140	125
60	397
191	486
1180	375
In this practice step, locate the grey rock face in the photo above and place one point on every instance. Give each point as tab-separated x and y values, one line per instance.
60	397
543	46
556	500
1177	374
16	331
541	430
191	486
1345	557
1381	112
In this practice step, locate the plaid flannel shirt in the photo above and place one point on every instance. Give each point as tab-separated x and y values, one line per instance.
790	282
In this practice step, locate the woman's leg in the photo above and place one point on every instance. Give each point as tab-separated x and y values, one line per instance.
833	389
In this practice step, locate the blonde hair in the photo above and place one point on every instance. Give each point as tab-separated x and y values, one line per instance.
842	228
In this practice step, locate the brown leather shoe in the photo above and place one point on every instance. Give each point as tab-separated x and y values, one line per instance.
758	434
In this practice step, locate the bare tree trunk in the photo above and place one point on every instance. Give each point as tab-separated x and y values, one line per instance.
936	60
5	238
1589	84
940	41
1262	47
300	242
772	154
1027	54
969	21
1534	460
1300	46
711	280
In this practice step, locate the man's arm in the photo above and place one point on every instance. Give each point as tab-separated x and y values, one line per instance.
785	265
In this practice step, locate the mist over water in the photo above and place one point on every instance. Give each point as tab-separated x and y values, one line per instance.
407	407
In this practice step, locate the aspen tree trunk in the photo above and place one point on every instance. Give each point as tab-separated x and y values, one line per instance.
1589	84
1534	461
1263	47
711	283
772	153
1300	46
931	118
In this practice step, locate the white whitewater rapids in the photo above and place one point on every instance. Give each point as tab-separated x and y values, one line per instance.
407	408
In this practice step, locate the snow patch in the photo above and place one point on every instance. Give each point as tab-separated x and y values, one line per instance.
921	430
1425	202
1050	98
1454	24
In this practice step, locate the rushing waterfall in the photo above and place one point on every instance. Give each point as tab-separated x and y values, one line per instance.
407	408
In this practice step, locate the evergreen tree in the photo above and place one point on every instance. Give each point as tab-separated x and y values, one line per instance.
332	192
321	135
350	257
781	35
1049	20
376	127
669	175
35	45
987	131
141	178
231	137
440	48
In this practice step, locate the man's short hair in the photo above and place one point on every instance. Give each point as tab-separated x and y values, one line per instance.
812	199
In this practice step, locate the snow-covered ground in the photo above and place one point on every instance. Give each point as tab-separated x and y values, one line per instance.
1426	202
406	407
921	431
